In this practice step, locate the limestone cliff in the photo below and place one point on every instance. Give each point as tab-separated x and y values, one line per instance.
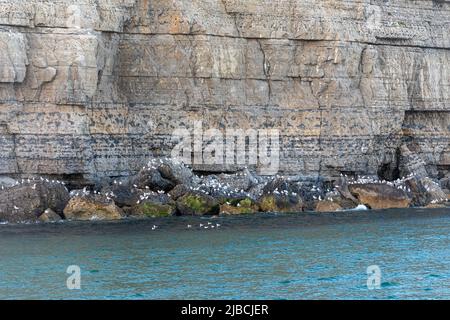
92	88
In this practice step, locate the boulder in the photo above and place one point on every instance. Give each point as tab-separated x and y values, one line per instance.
380	195
341	185
256	191
154	205
164	175
327	206
179	191
124	195
197	204
49	216
277	184
177	173
417	191
425	191
244	206
344	202
152	209
433	191
445	183
27	201
239	182
228	186
220	189
280	195
152	179
280	203
92	207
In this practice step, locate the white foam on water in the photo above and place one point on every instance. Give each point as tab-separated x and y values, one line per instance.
360	207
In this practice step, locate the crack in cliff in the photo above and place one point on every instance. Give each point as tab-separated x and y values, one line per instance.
319	172
14	145
234	17
35	30
266	69
361	71
321	123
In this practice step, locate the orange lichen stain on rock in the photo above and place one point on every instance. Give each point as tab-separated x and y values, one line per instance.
175	24
144	5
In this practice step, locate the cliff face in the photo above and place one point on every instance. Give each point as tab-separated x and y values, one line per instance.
93	88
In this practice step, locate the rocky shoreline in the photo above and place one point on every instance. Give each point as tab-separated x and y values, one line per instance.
166	188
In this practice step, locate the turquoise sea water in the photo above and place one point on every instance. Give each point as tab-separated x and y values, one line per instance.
302	256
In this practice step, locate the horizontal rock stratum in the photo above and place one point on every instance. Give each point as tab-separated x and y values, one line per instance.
93	88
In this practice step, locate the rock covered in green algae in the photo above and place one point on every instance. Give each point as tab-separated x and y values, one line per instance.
280	203
197	204
236	207
154	209
281	195
154	205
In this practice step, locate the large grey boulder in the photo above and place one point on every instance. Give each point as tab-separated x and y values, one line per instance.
163	174
425	191
27	201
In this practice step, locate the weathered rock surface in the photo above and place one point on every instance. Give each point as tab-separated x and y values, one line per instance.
152	204
123	195
179	191
164	175
93	88
238	207
92	207
425	191
49	216
197	204
336	200
7	182
154	209
27	201
280	195
380	196
327	206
